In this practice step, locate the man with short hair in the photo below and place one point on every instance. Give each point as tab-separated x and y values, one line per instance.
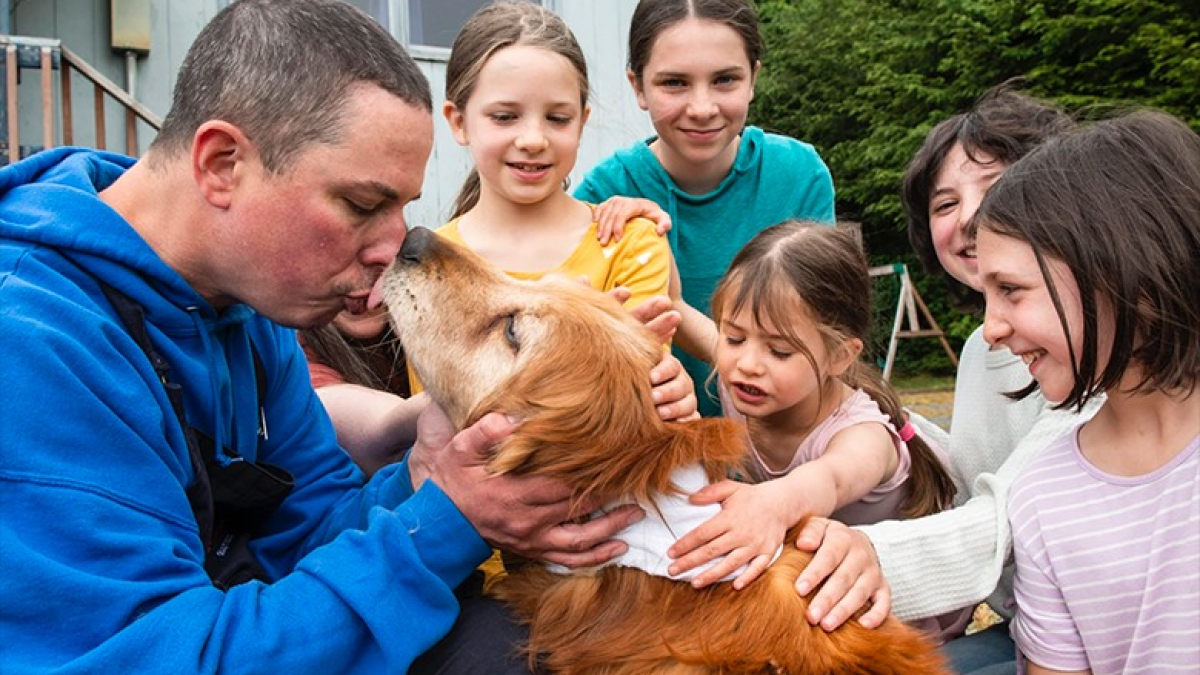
174	499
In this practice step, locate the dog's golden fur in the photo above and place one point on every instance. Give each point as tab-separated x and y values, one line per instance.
574	366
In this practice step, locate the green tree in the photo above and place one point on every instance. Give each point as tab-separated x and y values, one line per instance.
865	80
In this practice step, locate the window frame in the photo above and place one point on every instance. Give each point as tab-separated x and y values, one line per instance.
398	26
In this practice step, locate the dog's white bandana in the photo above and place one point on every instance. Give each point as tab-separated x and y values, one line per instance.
670	517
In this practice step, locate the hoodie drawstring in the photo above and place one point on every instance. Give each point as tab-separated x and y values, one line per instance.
234	388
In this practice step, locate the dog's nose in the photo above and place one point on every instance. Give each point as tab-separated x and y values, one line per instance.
415	244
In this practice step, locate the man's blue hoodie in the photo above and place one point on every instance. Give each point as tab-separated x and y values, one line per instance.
103	564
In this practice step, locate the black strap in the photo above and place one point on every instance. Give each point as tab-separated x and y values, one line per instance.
232	499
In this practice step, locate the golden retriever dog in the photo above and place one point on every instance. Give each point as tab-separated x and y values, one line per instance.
573	364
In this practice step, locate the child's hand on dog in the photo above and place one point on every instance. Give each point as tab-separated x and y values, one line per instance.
655	313
526	515
846	570
748	531
673	391
673	394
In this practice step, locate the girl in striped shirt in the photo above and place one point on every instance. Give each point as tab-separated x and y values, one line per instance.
1088	253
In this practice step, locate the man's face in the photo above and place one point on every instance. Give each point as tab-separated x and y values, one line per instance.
311	241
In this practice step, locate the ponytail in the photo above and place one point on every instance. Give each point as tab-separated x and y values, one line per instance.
930	487
468	195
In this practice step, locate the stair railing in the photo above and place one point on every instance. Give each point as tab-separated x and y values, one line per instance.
46	55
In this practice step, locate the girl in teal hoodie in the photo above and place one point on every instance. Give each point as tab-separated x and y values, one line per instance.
719	181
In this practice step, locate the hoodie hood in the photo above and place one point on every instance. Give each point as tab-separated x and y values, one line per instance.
50	209
41	204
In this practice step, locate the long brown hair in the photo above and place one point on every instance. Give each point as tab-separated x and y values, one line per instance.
825	270
355	359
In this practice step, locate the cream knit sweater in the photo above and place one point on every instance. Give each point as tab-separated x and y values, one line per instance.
961	556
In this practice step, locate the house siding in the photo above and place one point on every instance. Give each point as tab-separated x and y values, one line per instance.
601	26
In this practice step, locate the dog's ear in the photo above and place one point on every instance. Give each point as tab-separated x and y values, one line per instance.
588	378
637	463
597	402
583	402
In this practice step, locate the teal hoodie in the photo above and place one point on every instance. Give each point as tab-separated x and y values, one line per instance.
774	178
103	564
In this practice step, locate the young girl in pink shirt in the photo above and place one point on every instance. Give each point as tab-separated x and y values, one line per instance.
828	434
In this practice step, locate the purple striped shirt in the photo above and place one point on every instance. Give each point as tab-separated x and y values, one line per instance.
1108	567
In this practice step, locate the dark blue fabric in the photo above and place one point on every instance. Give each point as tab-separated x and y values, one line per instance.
485	640
103	562
988	652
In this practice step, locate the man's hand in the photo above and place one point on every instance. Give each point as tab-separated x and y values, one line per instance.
523	514
846	561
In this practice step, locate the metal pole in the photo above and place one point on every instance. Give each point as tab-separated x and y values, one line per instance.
131	74
131	142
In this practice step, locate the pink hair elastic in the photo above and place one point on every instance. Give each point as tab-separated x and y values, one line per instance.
907	432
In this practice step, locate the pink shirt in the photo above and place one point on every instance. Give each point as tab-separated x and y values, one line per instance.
881	503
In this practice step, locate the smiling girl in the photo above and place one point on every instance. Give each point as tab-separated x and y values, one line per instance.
828	435
720	181
1087	253
516	98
